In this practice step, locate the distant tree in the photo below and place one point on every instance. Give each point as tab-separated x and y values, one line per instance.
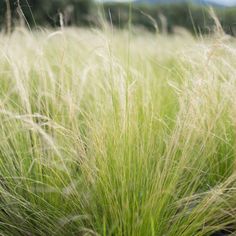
8	17
45	12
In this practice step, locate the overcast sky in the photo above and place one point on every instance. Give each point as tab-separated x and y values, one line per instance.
226	2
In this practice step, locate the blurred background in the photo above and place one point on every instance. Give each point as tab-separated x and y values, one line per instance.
165	16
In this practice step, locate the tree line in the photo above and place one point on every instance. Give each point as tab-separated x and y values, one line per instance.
44	12
164	18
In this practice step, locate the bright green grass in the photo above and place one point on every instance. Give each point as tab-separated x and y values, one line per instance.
113	134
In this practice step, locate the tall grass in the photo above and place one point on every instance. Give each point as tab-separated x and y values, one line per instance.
91	146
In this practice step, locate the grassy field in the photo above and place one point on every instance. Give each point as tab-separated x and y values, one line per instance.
117	133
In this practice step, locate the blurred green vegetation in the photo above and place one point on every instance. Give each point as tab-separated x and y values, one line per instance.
46	13
163	17
196	19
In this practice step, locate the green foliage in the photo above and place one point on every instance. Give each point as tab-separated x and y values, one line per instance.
84	12
194	18
46	13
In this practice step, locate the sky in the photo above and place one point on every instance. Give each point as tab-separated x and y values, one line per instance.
224	2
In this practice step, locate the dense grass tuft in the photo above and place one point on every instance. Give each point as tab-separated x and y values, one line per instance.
117	134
